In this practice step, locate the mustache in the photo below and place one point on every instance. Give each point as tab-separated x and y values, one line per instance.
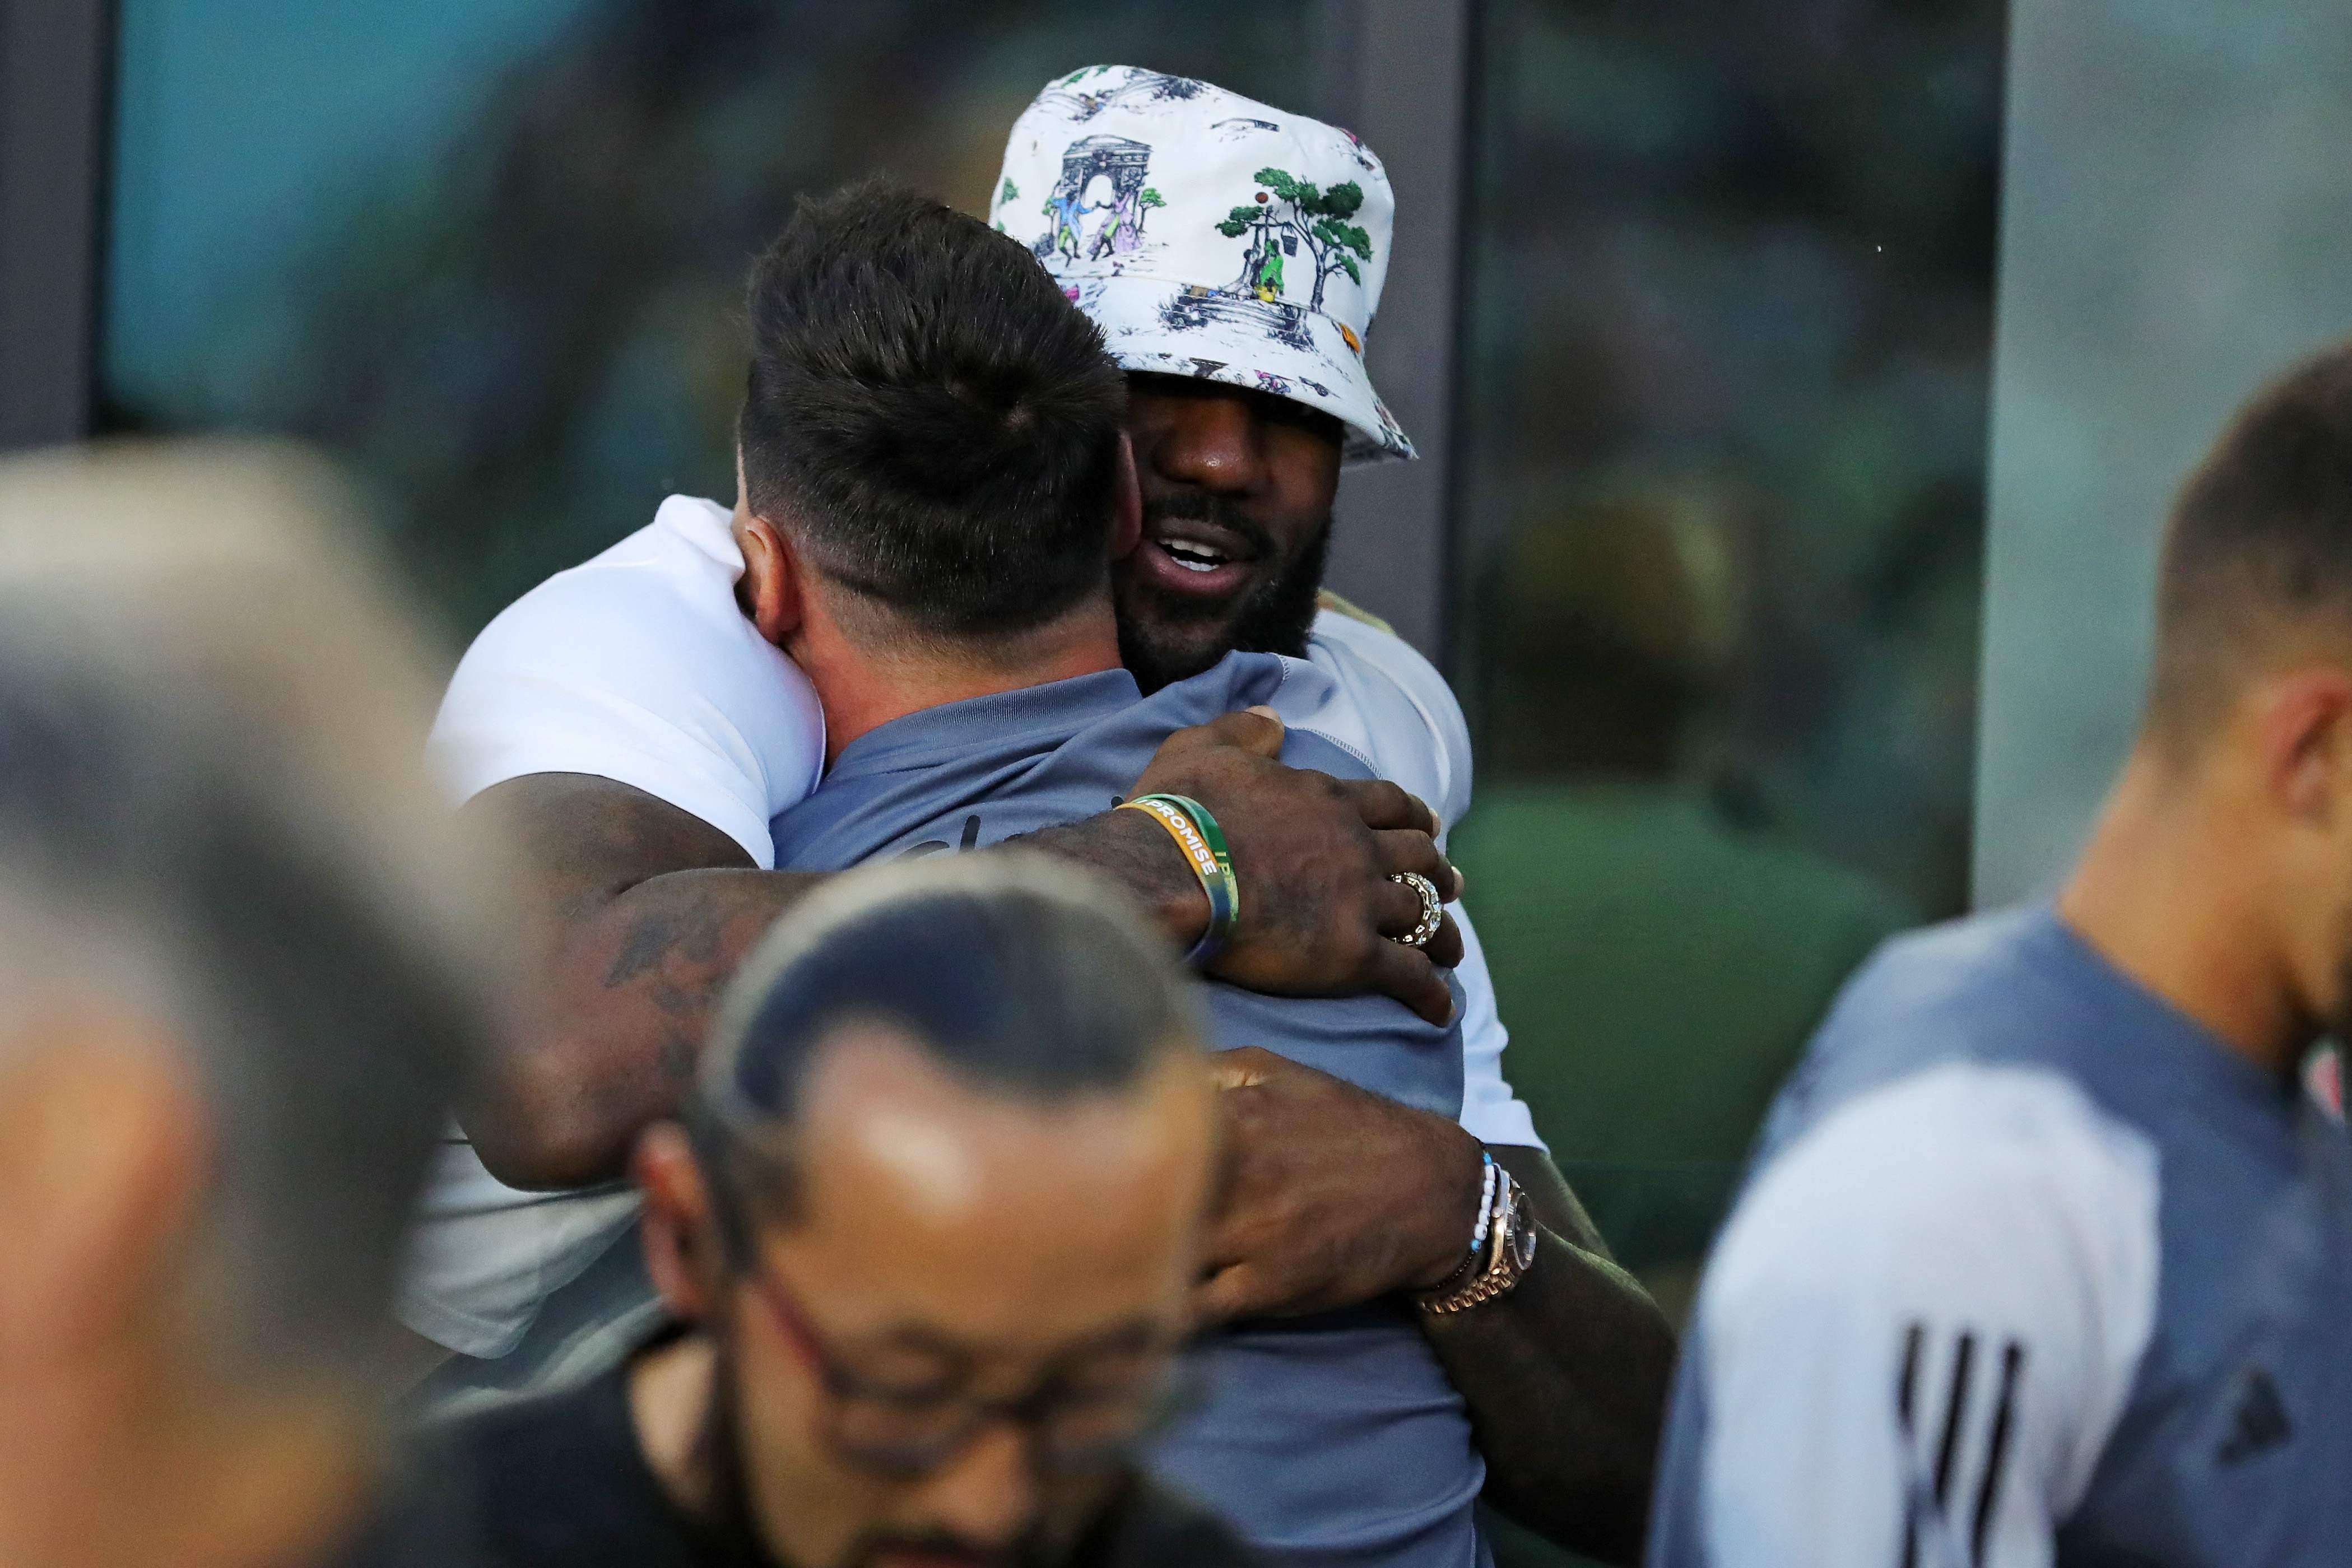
873	1548
1201	507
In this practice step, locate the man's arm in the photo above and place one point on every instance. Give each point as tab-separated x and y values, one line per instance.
1566	1379
643	912
1336	1195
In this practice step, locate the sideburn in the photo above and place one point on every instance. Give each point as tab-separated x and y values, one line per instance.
729	1530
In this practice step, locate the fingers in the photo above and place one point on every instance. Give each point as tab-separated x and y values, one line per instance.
1383	805
1410	849
1256	730
1396	910
1408	975
1243	1067
1444	949
1229	1293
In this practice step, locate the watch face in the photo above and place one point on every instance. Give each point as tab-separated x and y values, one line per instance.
1522	1238
1523	1242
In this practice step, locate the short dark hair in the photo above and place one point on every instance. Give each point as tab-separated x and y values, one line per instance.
2260	536
929	415
1027	980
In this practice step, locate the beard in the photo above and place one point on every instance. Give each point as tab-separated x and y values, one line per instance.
732	1527
1167	637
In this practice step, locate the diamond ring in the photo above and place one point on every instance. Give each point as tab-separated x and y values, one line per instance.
1432	908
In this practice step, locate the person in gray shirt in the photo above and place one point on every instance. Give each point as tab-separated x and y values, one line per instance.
972	693
2047	1254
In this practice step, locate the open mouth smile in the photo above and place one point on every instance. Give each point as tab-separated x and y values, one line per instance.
1186	555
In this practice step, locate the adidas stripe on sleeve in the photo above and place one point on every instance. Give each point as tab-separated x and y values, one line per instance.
1921	1325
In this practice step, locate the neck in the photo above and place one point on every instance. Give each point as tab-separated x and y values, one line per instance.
671	1397
116	1471
2162	893
863	687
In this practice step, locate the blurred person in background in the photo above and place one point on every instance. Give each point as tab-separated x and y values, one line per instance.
244	973
1663	962
2046	1256
926	1239
903	354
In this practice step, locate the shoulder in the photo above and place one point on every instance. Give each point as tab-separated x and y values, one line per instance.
1990	1194
637	665
1956	1266
1967	990
1151	1525
554	1478
674	576
532	1480
1406	716
1939	1157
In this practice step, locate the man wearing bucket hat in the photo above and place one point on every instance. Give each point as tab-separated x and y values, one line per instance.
562	704
1233	256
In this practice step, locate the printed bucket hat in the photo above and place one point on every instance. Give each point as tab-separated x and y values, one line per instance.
1209	235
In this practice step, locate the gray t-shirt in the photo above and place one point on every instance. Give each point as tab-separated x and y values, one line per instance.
2030	1269
1330	1439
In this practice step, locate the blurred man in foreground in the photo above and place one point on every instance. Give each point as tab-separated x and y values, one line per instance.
240	975
2047	1254
926	1241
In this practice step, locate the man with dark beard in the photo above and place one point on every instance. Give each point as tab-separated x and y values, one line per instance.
924	1241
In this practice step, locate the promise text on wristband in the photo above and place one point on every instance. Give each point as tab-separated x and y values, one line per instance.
1203	845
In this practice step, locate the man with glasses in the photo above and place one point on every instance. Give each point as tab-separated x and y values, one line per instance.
926	1240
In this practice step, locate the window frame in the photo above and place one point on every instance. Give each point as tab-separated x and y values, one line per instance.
55	105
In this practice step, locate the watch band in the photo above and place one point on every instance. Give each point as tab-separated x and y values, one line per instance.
1509	1254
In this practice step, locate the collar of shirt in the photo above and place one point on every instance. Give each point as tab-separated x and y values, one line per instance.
1049	713
2196	1068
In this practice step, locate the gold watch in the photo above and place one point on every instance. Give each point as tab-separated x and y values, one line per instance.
1510	1251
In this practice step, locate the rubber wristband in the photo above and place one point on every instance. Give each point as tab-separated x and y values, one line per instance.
1203	842
1225	895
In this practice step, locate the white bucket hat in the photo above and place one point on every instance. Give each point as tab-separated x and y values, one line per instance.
1209	235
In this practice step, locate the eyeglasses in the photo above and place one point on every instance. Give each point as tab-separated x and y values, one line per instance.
1087	1415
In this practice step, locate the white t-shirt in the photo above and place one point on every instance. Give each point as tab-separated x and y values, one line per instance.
639	666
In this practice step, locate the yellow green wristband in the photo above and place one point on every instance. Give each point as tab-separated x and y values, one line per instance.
1196	833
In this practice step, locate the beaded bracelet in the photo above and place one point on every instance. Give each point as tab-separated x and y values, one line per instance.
1478	1236
1203	842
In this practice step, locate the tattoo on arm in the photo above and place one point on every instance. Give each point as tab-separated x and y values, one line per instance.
643	912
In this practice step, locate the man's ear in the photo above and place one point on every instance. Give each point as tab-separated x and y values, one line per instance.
1126	506
771	587
2306	725
102	1157
681	1237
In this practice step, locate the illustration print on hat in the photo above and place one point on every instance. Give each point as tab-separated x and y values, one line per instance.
1209	235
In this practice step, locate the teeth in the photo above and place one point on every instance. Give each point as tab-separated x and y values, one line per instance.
1193	557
